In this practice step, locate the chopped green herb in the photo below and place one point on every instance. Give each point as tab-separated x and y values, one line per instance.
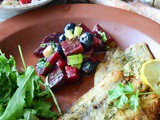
115	93
42	45
121	101
129	89
103	36
134	101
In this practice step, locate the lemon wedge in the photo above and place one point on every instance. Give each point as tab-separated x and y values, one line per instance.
150	74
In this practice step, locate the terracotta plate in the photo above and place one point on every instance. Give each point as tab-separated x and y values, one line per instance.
29	29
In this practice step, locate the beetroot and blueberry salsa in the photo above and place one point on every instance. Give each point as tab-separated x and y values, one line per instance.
65	57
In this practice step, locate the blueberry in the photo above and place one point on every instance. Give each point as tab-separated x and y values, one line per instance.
86	39
58	49
62	38
88	67
70	26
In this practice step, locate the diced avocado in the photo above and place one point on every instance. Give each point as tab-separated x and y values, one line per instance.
78	66
69	34
75	59
78	31
48	51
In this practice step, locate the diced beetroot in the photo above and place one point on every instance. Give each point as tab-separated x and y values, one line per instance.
52	38
98	45
96	29
61	64
43	71
72	74
89	51
25	1
71	47
53	59
39	52
85	28
42	68
49	64
56	78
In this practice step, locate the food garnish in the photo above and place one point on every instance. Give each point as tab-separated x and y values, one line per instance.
150	74
23	97
124	94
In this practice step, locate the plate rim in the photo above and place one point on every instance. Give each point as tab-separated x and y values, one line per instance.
67	8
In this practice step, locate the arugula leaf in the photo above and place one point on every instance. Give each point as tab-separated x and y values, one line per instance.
17	103
129	88
134	101
43	109
116	92
28	115
121	101
53	96
8	78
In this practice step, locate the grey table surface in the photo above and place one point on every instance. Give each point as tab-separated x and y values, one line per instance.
54	2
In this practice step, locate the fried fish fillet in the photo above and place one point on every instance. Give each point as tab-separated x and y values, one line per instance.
118	66
93	104
112	62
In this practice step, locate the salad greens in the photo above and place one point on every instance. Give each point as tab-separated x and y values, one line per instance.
21	96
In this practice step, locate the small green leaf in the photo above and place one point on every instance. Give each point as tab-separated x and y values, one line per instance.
134	101
129	88
43	109
116	92
28	115
121	101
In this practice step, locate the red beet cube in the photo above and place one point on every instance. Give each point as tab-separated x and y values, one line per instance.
39	52
97	30
56	78
53	59
61	64
72	74
85	28
71	47
43	70
49	64
52	38
98	45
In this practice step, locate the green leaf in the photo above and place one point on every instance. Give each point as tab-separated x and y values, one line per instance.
17	103
8	78
116	92
129	88
28	115
43	109
121	101
134	101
